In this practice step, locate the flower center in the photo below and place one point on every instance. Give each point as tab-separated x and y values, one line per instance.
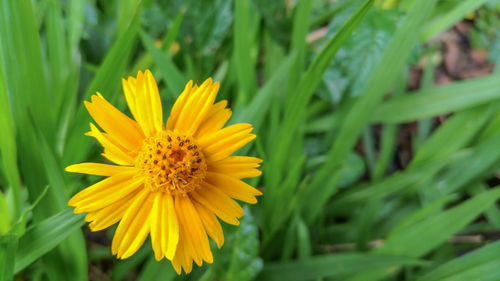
172	163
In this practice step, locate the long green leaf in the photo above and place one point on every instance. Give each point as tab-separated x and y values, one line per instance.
449	18
8	148
482	264
420	238
244	64
309	82
174	79
334	265
8	246
380	81
440	100
44	236
107	81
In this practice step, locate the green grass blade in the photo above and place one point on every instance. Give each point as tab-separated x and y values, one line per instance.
454	134
76	17
107	81
8	247
309	82
174	79
23	63
44	236
243	43
449	18
257	110
439	100
422	237
482	264
8	149
173	31
381	80
335	265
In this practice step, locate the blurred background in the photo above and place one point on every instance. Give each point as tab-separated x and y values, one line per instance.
378	122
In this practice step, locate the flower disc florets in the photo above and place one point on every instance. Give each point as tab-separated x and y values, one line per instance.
172	163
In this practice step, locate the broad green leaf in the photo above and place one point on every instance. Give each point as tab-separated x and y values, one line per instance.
44	236
333	265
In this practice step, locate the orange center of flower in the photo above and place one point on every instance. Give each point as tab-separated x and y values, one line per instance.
171	163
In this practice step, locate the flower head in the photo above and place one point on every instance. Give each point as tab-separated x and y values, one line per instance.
172	181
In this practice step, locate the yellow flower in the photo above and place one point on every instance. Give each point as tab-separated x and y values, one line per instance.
171	181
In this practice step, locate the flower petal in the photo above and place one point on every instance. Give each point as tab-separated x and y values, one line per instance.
212	225
105	192
134	226
101	186
221	144
144	102
164	227
171	238
237	166
182	258
196	236
98	169
218	202
120	127
197	107
215	120
179	105
111	214
111	151
235	188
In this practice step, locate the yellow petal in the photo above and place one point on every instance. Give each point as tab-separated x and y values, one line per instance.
111	151
134	226
164	226
197	107
179	105
233	187
156	226
182	258
120	127
215	120
221	144
98	169
237	166
218	202
212	225
144	101
105	194
107	216
102	186
170	228
197	240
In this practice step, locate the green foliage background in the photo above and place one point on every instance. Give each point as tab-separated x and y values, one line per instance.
336	204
